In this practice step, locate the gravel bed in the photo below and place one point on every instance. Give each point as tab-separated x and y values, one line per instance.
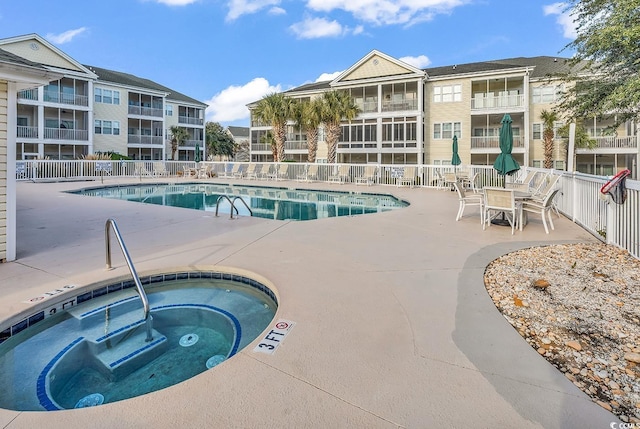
578	305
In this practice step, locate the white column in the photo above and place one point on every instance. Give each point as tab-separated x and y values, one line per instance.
12	124
526	119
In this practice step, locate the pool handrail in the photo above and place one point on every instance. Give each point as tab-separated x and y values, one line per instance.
224	197
111	224
243	202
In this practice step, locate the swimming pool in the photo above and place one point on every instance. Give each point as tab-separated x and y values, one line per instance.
265	202
95	351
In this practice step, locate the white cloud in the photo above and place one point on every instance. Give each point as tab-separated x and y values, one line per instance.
230	104
385	12
564	18
65	37
328	76
421	61
314	28
277	11
176	2
237	8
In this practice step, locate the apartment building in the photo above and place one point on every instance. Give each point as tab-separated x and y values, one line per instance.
410	115
90	109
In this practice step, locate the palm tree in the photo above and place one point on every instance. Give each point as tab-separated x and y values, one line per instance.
178	136
337	106
308	117
275	109
267	138
549	118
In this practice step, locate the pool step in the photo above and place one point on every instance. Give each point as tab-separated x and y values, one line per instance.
127	350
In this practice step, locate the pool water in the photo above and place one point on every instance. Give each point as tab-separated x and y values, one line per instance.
96	352
265	202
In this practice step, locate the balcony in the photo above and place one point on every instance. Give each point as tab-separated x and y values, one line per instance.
295	145
368	106
615	142
501	102
70	99
189	120
28	94
27	132
138	139
146	111
494	142
192	143
261	147
66	134
396	106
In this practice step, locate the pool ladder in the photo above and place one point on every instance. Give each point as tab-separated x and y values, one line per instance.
233	205
111	224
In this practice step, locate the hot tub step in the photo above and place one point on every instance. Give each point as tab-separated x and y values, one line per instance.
130	352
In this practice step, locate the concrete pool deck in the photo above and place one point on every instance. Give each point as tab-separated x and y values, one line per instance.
394	328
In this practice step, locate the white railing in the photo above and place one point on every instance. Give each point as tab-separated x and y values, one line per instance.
493	142
614	142
396	106
138	139
579	198
146	111
66	134
189	120
491	102
28	94
62	98
27	132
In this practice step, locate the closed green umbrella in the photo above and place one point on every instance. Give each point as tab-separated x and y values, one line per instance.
197	158
505	164
455	158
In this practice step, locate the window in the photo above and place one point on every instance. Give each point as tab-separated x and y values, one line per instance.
169	110
558	165
447	130
546	94
106	96
106	127
537	131
448	93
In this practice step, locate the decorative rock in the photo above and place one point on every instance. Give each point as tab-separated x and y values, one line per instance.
604	405
542	350
632	357
541	284
574	345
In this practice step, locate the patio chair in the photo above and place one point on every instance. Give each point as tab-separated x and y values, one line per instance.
230	174
476	188
500	200
408	178
439	179
449	180
267	171
543	208
468	200
342	175
204	172
310	174
368	176
189	172
546	187
525	183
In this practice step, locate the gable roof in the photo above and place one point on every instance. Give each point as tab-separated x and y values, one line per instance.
238	131
539	67
9	58
376	65
126	79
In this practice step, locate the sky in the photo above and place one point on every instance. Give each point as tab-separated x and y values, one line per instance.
228	53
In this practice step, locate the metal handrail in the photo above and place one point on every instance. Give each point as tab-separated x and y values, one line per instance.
221	197
243	202
111	224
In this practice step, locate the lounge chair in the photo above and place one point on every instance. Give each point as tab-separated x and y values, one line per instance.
342	175
251	172
230	174
267	171
408	178
159	169
281	173
368	176
140	169
310	174
205	171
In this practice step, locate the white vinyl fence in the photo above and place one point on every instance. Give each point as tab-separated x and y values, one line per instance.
579	198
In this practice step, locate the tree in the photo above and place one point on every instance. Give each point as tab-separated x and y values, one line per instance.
219	142
308	117
178	136
606	65
549	118
267	138
275	109
336	107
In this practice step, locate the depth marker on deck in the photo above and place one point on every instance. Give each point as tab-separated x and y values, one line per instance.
274	337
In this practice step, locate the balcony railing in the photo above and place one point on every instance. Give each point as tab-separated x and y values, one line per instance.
296	145
75	100
395	106
490	102
27	132
138	139
494	142
614	142
368	106
193	143
261	147
28	94
146	111
66	134
190	120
